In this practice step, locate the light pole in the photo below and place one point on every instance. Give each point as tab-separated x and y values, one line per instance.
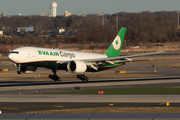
117	22
102	19
177	24
178	19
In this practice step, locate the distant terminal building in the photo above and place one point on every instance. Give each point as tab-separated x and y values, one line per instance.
67	14
3	15
57	32
43	15
19	14
70	32
60	30
53	7
82	15
1	33
25	29
48	15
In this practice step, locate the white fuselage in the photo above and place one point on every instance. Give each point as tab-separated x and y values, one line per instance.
36	54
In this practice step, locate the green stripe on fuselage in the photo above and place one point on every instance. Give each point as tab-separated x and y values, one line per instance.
107	66
45	64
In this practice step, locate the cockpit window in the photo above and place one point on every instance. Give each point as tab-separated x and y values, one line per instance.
15	52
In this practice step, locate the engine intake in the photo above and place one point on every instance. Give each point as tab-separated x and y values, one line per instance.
76	66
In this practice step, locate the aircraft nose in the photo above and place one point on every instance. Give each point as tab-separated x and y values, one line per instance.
12	57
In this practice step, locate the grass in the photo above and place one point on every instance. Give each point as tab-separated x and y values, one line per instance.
126	91
115	110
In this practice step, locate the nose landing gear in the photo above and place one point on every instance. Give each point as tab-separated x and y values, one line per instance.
19	69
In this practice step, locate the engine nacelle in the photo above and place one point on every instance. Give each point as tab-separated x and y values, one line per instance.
28	69
76	66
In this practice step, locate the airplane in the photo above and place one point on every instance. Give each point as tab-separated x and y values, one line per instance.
29	58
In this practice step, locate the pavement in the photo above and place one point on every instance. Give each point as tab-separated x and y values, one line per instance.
11	107
91	98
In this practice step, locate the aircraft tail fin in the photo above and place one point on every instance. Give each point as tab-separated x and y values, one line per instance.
115	48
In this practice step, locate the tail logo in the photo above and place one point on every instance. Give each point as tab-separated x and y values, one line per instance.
117	43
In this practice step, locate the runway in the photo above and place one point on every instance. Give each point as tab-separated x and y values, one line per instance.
99	84
31	83
90	98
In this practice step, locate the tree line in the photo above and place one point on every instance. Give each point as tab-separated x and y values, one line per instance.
144	27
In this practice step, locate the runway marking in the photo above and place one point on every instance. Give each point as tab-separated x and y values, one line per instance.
161	103
58	106
10	108
111	104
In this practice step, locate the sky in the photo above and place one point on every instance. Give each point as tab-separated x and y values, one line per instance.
37	7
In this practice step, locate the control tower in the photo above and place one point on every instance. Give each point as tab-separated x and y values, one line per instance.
53	7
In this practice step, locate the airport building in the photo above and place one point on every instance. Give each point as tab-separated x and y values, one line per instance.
19	14
67	14
1	33
25	29
3	15
57	32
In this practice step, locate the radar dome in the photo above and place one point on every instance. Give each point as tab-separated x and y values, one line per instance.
53	5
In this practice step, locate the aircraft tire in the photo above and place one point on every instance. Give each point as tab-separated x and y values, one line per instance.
81	77
50	76
87	79
56	78
78	76
18	72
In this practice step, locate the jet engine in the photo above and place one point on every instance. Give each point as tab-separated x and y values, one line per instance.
28	69
76	66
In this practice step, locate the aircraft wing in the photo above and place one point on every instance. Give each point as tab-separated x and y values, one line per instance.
119	59
123	58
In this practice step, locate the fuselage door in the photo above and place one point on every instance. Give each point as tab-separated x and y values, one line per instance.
28	54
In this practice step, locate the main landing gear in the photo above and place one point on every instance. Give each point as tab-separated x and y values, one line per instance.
54	76
82	77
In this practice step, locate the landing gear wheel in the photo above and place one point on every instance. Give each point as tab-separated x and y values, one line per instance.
78	76
82	77
50	76
87	79
19	69
18	72
54	76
